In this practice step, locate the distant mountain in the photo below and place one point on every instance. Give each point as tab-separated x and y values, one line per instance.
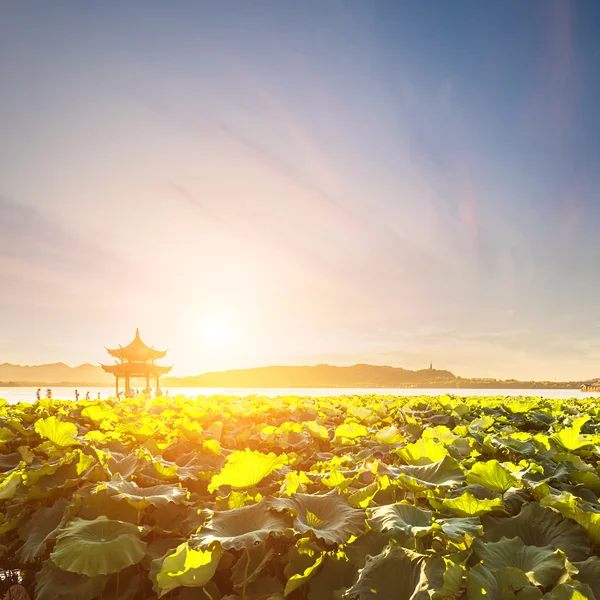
356	376
53	374
317	376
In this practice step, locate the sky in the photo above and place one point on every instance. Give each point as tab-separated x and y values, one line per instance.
258	183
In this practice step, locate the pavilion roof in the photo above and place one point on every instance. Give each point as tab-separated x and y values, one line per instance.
137	351
136	369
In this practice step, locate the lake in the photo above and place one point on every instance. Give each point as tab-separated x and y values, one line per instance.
27	394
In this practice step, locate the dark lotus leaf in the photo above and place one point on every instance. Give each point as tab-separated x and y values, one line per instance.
514	499
443	473
16	592
395	574
336	575
140	497
93	505
41	528
407	518
478	491
544	565
328	516
158	548
565	591
250	565
122	464
53	583
125	585
589	573
240	527
539	526
370	543
8	462
457	527
507	583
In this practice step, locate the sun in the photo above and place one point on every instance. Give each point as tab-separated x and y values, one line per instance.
216	331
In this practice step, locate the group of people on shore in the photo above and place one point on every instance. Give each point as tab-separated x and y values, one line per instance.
38	394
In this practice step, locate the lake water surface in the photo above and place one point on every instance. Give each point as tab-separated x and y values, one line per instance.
27	394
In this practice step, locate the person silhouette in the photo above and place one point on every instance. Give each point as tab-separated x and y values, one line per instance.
38	394
76	395
87	395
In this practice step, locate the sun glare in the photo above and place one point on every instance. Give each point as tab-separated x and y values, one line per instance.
216	331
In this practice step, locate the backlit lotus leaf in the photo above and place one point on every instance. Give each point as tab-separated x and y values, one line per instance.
299	579
422	452
467	505
97	547
184	567
140	497
539	526
389	435
245	469
351	431
53	583
507	583
492	475
328	516
251	565
9	485
590	521
240	527
570	439
59	432
363	497
543	566
394	574
407	518
317	431
41	528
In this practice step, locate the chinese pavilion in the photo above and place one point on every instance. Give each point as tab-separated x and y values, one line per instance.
136	360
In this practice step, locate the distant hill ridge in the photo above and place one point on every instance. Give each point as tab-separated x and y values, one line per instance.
356	376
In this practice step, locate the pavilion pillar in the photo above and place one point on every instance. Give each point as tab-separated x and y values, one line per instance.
116	386
126	384
147	382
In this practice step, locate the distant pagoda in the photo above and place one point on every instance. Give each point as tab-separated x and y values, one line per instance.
136	360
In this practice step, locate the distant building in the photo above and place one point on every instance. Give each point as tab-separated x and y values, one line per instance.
136	360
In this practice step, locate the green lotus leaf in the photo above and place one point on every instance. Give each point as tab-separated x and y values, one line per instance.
140	497
589	573
53	583
245	469
265	588
407	518
335	575
389	435
395	574
590	521
570	439
297	580
422	452
317	431
328	516
467	505
6	435
9	485
251	565
587	479
98	547
369	543
458	528
351	431
363	497
60	433
443	577
492	475
543	566
503	584
539	526
185	567
443	473
41	528
240	527
565	591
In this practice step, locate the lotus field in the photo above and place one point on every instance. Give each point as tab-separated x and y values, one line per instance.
372	497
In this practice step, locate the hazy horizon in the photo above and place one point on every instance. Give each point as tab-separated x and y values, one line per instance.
286	183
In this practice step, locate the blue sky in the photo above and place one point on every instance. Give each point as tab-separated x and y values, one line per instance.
385	182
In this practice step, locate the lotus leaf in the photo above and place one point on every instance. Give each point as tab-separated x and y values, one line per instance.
138	497
539	526
502	584
402	517
589	573
467	505
565	591
98	547
328	516
53	583
245	469
59	432
351	431
185	567
492	475
443	473
240	527
543	566
422	452
394	574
